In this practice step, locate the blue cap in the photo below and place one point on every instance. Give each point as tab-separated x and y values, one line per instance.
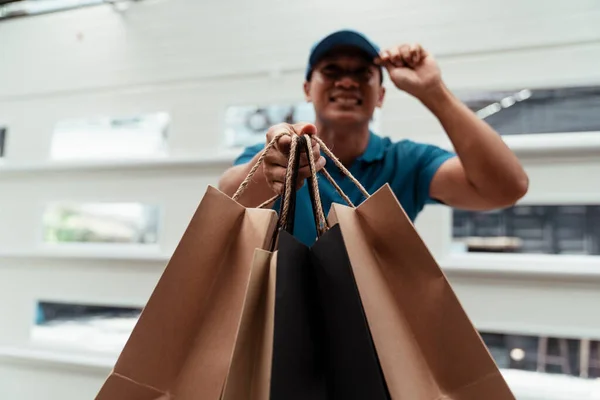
348	38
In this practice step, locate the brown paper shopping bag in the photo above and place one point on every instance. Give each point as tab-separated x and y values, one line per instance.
427	345
250	369
182	345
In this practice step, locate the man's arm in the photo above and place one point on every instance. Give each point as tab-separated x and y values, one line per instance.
486	174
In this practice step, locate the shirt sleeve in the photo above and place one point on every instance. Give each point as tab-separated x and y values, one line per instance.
429	158
248	154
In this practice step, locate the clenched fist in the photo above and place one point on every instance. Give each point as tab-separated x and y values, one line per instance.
411	69
276	160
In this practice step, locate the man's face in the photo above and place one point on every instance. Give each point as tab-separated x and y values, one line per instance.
345	88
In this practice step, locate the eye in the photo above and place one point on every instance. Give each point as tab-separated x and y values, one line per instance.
335	72
331	70
364	72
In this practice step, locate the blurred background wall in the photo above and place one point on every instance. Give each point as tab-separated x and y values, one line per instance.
115	117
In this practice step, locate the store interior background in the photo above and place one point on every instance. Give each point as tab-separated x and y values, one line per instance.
115	116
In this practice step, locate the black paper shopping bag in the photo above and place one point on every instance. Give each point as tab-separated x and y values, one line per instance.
322	346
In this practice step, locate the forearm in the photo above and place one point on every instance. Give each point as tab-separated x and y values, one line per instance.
257	191
490	166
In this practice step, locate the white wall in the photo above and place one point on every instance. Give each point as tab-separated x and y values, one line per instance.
192	59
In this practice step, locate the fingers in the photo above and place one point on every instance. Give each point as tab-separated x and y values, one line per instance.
397	58
277	187
284	142
316	151
405	55
417	54
304	172
275	176
275	169
384	58
320	164
402	56
392	58
305	129
280	158
276	160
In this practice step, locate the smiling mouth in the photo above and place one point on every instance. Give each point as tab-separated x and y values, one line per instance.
346	101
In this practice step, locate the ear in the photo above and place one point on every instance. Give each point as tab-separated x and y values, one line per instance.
307	95
381	96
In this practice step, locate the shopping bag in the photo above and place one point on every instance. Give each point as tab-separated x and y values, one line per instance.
249	374
322	347
427	346
182	344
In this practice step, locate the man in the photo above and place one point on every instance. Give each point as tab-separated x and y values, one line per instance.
344	84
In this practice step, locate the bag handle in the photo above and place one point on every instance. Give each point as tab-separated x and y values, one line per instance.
288	205
325	149
344	170
258	163
287	209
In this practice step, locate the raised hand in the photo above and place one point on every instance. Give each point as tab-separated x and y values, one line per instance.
411	69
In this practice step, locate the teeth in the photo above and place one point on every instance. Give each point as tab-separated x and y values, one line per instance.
346	100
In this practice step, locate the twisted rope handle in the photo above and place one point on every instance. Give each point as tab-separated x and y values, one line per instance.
320	220
259	162
345	171
315	186
288	182
337	188
327	151
267	202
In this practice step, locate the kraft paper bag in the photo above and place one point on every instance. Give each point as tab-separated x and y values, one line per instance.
182	345
427	346
249	374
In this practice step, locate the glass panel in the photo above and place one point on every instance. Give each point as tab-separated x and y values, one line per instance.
101	223
3	131
88	327
246	125
553	355
550	110
542	229
110	138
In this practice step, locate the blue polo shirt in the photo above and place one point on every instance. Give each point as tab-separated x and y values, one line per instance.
407	166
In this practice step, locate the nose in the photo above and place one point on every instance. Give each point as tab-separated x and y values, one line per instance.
346	82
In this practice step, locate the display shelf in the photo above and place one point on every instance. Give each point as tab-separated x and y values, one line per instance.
217	159
38	356
91	252
576	267
546	144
